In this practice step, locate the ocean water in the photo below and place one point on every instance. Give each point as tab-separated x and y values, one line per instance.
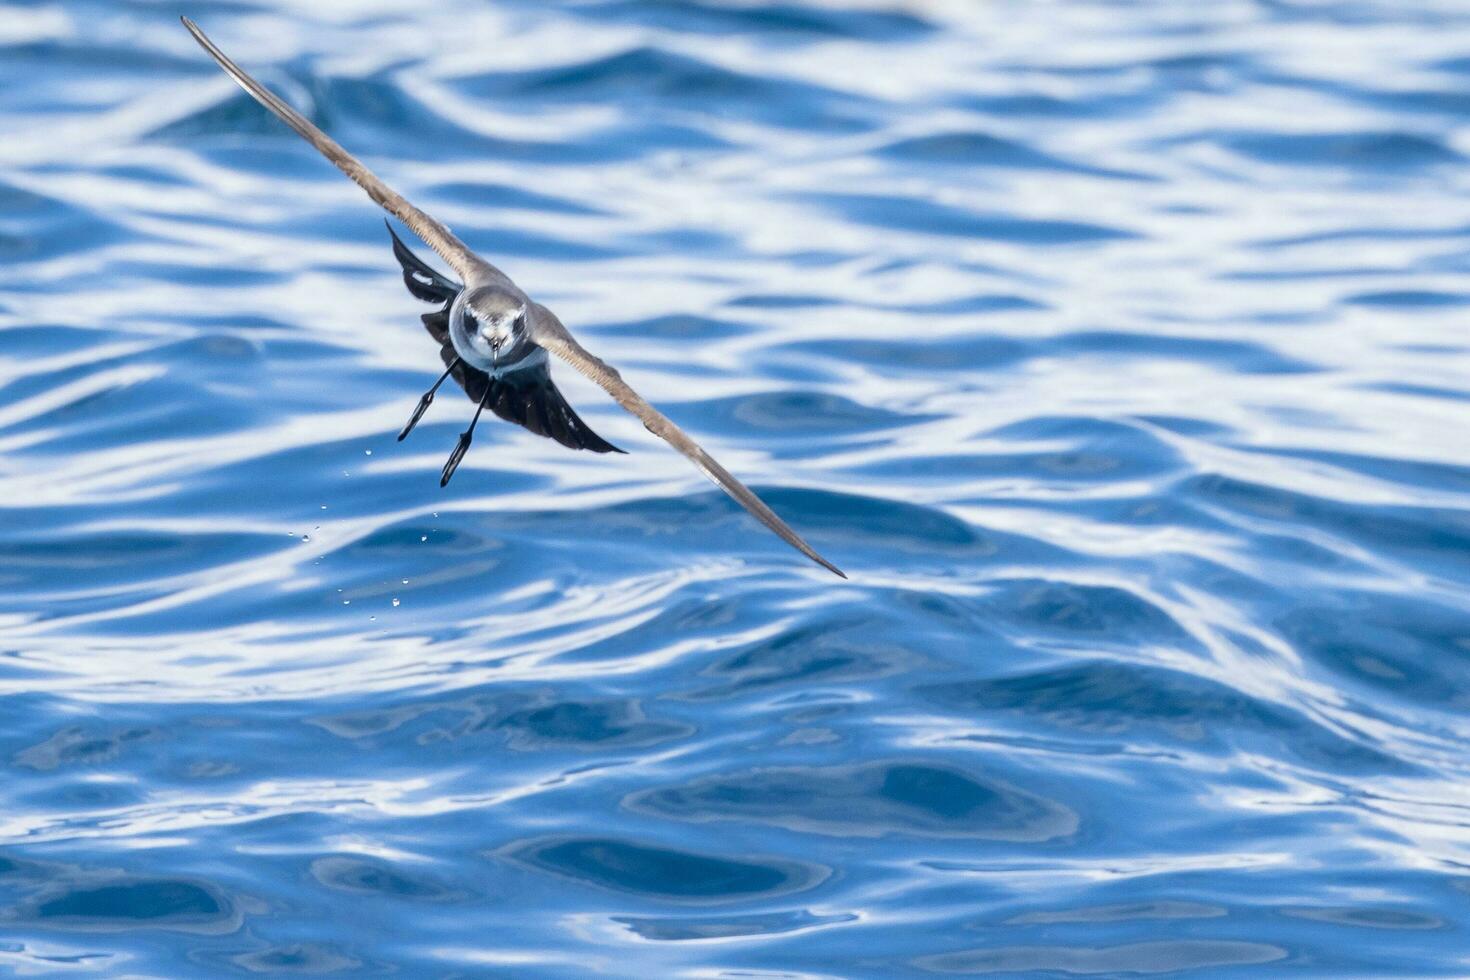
1117	351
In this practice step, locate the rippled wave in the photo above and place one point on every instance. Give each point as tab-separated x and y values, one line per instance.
1117	351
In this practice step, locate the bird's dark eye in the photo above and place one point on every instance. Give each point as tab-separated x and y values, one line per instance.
520	323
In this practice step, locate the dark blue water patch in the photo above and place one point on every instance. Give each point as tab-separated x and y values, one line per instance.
292	958
1194	428
1415	474
1399	530
1416	650
1206	71
520	721
48	77
676	327
356	875
209	274
795	414
843	651
488	194
686	928
107	902
37	340
1366	150
340	475
1354	235
1454	260
77	746
1076	449
1156	957
1097	615
520	243
77	792
1091	465
875	521
953	354
780	301
181	394
795	23
981	149
1048	107
1133	912
35	227
1429	101
685	241
1269	274
662	873
1370	918
1242	356
1113	700
73	564
921	216
655	78
908	797
970	305
582	725
1416	390
1408	299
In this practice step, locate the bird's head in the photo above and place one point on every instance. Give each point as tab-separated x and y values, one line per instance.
490	322
497	316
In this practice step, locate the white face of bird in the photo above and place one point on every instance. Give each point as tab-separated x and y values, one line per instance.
497	319
491	323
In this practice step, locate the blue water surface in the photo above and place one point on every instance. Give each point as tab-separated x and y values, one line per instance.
1118	351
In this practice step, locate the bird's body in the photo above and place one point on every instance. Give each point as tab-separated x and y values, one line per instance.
494	339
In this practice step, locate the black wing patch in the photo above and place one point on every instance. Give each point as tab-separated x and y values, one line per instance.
528	398
422	281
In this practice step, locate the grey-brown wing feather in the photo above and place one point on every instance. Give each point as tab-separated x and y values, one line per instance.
440	238
549	332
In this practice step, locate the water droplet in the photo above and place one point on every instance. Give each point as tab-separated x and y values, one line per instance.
306	537
367	452
395	602
372	619
405	581
346	602
423	537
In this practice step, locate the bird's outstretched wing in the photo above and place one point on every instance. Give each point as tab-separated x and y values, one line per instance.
438	237
549	332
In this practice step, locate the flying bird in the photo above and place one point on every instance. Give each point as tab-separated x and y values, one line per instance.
494	339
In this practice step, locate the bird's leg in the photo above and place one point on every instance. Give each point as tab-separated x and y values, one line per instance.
426	401
463	445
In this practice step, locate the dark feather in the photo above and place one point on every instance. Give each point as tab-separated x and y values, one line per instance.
528	397
421	280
